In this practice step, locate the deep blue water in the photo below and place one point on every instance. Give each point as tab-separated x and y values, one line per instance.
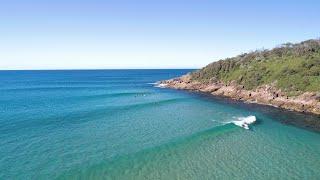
114	124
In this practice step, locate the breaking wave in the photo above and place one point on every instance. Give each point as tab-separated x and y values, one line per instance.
244	122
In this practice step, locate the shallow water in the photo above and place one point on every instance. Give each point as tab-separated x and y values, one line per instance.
115	125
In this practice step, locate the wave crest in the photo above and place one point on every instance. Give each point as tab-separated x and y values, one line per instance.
244	122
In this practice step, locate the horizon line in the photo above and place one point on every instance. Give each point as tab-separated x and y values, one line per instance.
84	69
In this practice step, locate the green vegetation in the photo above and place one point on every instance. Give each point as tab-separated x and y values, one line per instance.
293	68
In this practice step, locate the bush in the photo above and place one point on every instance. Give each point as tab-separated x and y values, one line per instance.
294	68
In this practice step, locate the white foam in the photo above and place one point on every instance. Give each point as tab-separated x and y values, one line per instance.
158	84
161	85
244	122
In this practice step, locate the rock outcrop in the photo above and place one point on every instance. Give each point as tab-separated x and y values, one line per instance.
265	94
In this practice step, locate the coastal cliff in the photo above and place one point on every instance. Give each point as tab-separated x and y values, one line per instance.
287	77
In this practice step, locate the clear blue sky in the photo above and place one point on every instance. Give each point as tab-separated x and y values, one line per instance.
85	34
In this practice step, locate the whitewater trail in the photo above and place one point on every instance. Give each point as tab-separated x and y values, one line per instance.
158	85
244	122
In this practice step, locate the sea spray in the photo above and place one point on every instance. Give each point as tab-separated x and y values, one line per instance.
244	122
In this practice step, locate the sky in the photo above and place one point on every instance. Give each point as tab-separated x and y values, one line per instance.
125	34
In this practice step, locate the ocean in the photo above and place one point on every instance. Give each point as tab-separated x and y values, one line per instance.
115	124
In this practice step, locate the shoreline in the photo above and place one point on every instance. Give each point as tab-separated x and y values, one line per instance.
308	102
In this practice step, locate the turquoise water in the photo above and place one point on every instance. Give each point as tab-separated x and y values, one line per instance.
107	124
